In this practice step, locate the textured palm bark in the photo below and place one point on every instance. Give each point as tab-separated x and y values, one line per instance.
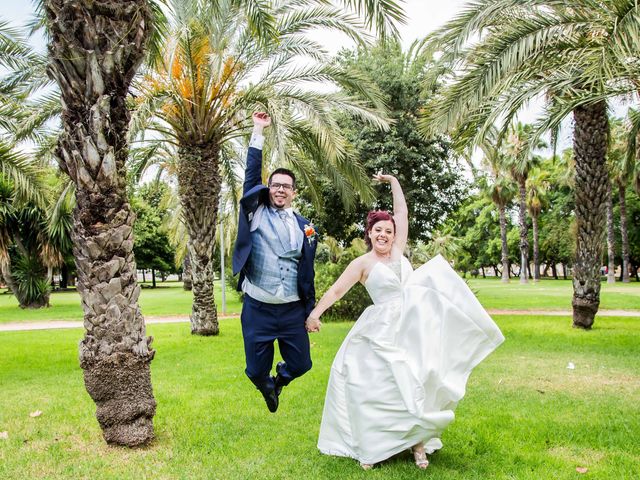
503	240
536	248
624	233
590	141
95	49
524	230
199	188
611	253
187	284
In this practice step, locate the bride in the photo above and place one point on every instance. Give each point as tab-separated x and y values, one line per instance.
403	367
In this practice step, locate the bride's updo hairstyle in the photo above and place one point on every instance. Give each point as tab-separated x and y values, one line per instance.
374	217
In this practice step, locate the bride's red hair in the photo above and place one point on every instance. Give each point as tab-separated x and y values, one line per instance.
374	217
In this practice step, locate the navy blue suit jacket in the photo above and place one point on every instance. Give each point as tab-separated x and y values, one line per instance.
255	194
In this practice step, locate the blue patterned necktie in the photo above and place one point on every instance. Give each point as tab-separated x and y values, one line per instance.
284	216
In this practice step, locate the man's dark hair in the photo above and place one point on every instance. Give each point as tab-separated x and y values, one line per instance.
284	171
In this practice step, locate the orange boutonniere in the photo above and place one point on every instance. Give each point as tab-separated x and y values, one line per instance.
310	233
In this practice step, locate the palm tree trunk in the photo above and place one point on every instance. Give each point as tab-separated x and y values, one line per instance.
505	247
199	188
611	254
94	51
524	231
5	273
187	283
622	196
536	249
590	140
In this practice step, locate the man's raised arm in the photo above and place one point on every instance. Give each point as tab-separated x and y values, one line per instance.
253	170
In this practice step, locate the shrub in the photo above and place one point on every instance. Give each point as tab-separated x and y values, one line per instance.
327	272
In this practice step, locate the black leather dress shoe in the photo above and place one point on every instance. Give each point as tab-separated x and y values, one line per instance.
271	399
278	378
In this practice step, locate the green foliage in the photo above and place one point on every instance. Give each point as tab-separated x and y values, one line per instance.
327	272
151	245
31	285
476	225
633	226
26	246
432	183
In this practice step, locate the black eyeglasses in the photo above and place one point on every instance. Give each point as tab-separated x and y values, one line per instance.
285	186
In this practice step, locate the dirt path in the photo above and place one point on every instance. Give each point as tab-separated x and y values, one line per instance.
20	326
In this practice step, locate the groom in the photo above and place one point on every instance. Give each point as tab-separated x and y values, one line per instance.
274	254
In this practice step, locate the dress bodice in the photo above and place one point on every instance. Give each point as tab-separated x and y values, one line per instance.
385	280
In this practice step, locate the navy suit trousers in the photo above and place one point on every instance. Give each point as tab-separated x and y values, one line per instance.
262	324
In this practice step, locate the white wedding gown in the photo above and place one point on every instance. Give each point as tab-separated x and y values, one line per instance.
402	369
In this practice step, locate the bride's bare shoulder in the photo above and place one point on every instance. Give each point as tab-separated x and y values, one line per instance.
366	263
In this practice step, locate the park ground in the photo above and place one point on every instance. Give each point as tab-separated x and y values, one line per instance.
552	402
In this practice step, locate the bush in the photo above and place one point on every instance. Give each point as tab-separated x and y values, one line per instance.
357	299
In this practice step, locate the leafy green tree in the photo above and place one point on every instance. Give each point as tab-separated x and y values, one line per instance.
633	212
557	228
475	224
151	246
430	177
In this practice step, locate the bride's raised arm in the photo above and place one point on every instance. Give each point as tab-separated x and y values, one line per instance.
400	210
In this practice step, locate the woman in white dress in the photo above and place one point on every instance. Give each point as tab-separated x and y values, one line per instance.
403	367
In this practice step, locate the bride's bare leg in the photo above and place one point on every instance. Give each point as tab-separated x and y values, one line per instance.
420	456
366	466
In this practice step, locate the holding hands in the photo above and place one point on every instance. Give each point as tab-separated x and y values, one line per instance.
312	324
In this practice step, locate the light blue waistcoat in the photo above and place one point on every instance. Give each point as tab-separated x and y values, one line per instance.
273	263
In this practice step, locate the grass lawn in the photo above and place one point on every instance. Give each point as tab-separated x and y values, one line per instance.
169	299
166	300
550	294
525	415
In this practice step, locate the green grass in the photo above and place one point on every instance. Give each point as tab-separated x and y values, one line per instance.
525	415
166	300
550	295
169	299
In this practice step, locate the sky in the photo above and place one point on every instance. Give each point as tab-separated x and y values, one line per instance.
423	16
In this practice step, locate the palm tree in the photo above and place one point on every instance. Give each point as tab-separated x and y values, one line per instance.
34	239
580	53
200	95
94	54
611	238
621	168
500	190
519	162
443	242
537	186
